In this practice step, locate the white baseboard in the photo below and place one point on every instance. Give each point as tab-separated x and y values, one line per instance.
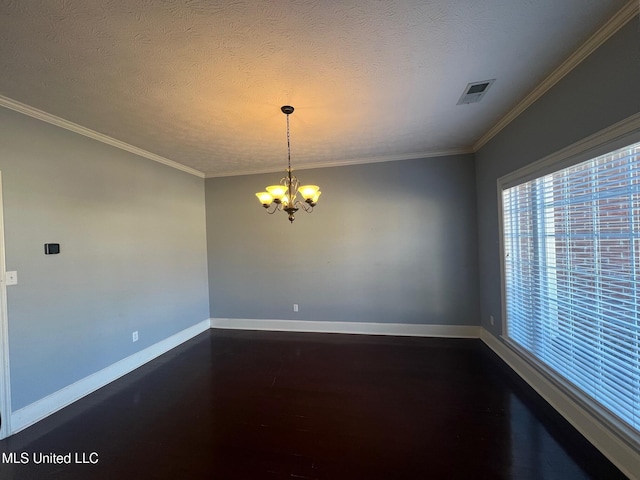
400	329
615	449
619	452
26	416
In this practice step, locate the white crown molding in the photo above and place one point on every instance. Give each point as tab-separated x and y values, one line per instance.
79	129
619	20
359	161
360	328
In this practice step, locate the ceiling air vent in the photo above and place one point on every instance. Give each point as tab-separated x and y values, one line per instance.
474	92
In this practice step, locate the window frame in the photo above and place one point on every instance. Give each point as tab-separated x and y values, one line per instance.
617	136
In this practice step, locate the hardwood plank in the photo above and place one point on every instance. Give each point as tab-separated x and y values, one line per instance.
239	404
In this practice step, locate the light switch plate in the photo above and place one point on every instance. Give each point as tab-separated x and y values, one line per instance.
11	278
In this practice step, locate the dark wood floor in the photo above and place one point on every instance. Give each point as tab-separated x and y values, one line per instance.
254	405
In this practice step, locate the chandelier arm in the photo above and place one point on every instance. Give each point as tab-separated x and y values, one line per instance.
304	205
273	210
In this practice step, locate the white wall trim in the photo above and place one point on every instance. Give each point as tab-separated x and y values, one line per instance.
356	161
87	132
615	136
619	452
20	419
619	20
5	376
400	329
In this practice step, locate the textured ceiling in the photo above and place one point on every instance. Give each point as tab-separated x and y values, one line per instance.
201	82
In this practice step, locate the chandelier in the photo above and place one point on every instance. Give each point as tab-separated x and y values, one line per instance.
285	195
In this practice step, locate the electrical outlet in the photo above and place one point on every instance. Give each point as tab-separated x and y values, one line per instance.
295	307
135	336
491	319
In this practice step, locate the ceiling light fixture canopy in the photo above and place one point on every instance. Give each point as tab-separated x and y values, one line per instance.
284	196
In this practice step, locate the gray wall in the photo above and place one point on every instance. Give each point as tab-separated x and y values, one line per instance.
390	242
133	253
601	91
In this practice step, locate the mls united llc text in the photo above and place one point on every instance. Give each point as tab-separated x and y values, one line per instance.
55	458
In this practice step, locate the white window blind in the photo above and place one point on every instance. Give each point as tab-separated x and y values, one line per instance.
572	276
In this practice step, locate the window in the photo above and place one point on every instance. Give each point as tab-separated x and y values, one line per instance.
571	245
